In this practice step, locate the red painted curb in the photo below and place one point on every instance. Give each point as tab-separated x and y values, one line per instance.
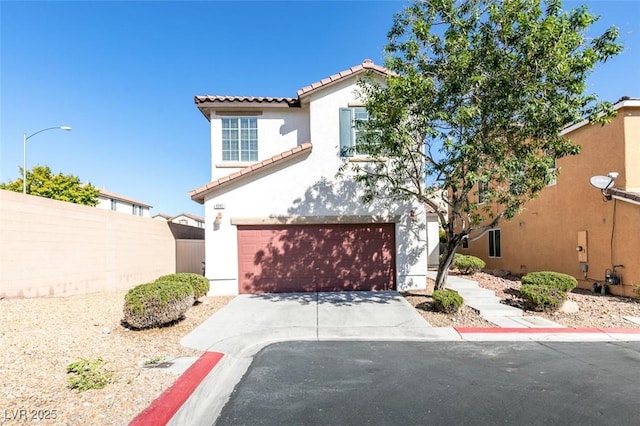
163	408
546	330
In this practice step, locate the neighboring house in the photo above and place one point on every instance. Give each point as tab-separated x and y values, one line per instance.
571	227
188	219
277	217
182	219
111	201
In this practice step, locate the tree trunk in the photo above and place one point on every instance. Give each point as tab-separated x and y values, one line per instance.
445	262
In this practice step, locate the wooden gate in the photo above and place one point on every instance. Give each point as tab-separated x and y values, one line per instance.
189	256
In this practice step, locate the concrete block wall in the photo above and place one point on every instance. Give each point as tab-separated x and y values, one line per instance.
55	248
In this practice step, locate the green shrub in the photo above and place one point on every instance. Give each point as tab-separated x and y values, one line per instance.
199	283
468	264
86	374
562	282
455	257
157	303
543	297
447	301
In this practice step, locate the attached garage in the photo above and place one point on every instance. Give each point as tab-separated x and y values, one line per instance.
309	258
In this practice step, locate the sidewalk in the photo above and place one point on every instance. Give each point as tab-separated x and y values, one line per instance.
488	305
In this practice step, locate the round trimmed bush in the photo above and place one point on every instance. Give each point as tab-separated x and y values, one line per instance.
199	283
562	282
543	297
468	264
453	262
447	301
157	303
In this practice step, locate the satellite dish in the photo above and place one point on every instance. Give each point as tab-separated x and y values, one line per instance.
601	182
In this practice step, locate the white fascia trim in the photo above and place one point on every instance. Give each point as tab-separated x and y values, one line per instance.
626	103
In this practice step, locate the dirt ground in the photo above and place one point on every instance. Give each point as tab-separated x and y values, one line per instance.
594	310
41	336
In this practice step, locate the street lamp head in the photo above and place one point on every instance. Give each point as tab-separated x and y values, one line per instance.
67	128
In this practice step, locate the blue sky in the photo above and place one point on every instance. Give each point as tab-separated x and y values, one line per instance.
123	74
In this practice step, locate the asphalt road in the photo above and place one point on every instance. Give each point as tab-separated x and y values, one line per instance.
436	383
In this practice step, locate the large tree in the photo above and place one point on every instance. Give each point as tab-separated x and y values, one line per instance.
42	182
478	94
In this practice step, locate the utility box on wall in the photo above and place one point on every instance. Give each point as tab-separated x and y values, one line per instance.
582	246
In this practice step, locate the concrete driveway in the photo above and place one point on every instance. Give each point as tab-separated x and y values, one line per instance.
251	322
362	315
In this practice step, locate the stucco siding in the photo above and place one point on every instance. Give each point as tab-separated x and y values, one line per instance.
295	191
306	187
278	130
632	155
545	235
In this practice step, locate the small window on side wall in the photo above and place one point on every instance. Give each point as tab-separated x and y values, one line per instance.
483	195
495	249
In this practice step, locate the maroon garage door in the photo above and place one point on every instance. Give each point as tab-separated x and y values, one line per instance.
291	258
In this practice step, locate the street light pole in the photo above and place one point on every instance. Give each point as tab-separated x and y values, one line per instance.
25	138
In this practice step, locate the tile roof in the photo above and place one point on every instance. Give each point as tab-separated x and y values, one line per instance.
260	101
198	194
162	215
366	65
213	99
633	197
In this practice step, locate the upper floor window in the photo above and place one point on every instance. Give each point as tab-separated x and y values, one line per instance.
240	139
114	204
483	195
350	130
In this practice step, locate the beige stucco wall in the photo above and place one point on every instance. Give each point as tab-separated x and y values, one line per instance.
55	248
545	235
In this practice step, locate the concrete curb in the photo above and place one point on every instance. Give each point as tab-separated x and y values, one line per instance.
549	334
163	408
168	404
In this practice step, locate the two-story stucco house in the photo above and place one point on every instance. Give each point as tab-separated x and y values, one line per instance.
277	217
573	227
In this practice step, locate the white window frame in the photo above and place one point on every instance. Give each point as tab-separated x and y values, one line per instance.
354	131
248	154
553	169
114	205
491	238
482	188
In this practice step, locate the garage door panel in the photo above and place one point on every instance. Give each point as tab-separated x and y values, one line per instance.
316	258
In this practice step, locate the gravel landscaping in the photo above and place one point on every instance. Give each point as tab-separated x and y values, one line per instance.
593	310
41	336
